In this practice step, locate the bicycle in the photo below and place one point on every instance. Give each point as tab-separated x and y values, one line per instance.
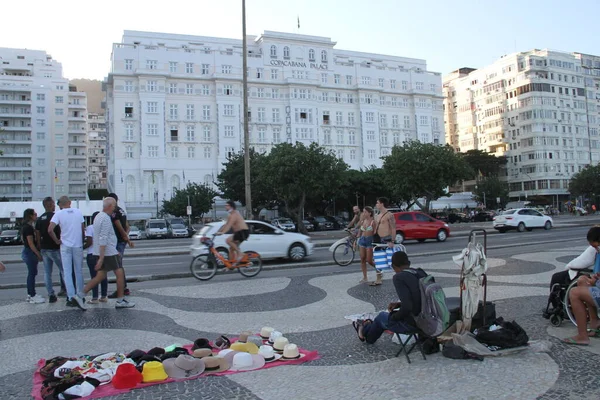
204	266
344	253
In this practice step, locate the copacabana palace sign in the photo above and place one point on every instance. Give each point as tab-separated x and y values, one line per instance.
297	64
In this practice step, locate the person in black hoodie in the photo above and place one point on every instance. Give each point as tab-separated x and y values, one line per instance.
399	317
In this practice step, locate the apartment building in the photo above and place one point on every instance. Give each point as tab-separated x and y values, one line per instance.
42	128
174	105
538	108
96	146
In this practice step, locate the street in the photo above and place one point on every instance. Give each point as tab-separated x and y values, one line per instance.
308	303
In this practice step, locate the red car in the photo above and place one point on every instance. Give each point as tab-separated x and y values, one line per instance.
419	226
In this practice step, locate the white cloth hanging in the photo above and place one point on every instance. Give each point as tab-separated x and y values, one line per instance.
473	263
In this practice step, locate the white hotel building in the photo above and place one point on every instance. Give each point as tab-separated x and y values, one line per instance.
42	129
539	108
174	105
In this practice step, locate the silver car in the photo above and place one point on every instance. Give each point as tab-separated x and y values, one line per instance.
178	230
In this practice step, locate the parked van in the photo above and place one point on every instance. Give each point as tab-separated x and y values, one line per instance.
157	228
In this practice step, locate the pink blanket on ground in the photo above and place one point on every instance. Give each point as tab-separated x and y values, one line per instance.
109	390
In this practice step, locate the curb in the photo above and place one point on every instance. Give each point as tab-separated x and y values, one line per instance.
179	275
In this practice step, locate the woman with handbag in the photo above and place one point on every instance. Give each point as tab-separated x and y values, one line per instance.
365	240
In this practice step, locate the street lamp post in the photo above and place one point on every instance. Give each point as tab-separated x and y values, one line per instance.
156	197
246	130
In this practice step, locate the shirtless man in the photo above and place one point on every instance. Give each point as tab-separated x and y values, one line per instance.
355	223
236	222
385	228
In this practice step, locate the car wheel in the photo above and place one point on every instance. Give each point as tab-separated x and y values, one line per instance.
297	252
521	227
441	235
399	237
548	225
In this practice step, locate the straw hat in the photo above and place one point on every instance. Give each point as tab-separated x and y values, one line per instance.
268	353
280	344
291	352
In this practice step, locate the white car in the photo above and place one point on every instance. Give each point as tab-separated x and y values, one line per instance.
179	230
521	219
135	233
265	239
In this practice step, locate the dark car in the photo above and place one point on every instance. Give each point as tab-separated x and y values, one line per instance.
440	215
10	237
337	224
308	225
454	217
484	216
321	223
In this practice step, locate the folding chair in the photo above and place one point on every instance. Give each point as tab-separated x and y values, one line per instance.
408	349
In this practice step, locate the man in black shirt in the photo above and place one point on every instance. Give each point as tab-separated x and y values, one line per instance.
399	317
121	227
49	249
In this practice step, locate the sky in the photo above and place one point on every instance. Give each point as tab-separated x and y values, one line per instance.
448	34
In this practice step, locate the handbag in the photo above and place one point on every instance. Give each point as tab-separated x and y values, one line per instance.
380	259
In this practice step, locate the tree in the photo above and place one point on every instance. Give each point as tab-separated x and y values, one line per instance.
200	198
482	162
298	174
587	182
489	189
417	170
363	187
231	181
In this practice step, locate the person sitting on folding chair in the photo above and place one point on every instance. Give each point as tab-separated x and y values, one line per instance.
399	318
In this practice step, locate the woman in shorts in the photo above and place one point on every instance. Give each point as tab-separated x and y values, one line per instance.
365	240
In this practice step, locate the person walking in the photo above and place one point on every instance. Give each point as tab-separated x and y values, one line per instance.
365	240
92	260
121	228
72	232
49	249
385	230
105	248
30	255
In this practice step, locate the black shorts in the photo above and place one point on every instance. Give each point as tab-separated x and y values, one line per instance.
240	236
110	263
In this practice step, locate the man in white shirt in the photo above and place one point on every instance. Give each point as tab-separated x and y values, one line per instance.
72	233
105	248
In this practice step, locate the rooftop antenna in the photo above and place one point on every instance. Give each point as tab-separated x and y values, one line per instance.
298	24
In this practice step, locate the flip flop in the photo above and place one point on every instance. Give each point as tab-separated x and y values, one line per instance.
596	332
356	326
375	283
572	342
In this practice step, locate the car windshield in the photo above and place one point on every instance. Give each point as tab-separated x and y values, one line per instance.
320	219
178	226
508	212
285	221
304	221
157	225
134	229
9	233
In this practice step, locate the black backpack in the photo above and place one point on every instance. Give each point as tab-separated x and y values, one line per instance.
508	336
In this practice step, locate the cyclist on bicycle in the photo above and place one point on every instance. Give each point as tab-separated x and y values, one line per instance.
236	222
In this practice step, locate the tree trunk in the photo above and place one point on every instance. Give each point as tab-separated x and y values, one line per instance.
297	215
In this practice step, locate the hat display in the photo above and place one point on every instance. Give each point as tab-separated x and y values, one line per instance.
274	335
265	332
201	343
291	352
280	344
153	371
126	377
247	362
215	364
156	351
201	353
136	355
222	342
177	351
244	336
268	353
184	366
245	347
256	340
172	347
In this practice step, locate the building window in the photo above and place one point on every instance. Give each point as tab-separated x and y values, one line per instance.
190	133
420	85
206	133
311	55
424	120
206	113
41	122
41	110
41	149
433	87
41	162
174	133
189	88
323	78
338	97
228	131
406	122
174	152
205	69
173	111
326	136
275	93
371	154
228	110
259	73
351	137
152	129
371	136
323	56
189	112
152	108
381	82
205	90
286	53
274	74
370	117
172	66
393	83
261	93
153	151
395	123
128	86
261	114
59	111
276	135
336	79
276	115
228	90
189	68
404	85
384	138
340	137
151	64
226	69
351	119
273	51
383	120
128	65
58	99
172	88
262	135
129	132
348	79
41	136
191	152
151	86
207	152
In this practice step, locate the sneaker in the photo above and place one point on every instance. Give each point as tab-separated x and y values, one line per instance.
124	304
28	299
52	298
94	301
113	295
62	293
37	299
79	302
71	303
103	300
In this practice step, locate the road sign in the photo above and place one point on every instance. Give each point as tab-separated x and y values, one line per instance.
13	216
189	210
498	200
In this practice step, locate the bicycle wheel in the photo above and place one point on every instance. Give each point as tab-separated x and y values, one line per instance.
203	267
254	265
343	254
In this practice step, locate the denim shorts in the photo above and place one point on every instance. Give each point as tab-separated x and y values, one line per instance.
365	241
595	292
